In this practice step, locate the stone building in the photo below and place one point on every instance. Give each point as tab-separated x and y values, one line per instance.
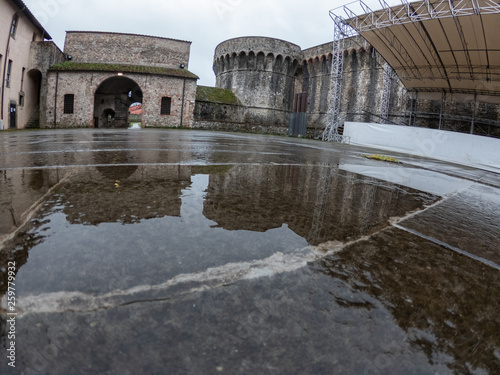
20	35
105	73
94	81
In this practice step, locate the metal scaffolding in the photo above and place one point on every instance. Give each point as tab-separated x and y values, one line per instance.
389	76
341	31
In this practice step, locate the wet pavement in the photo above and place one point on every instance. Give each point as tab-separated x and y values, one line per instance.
185	252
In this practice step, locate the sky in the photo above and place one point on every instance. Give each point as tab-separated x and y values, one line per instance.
205	23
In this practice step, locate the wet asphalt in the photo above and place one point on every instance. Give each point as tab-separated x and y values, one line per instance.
188	252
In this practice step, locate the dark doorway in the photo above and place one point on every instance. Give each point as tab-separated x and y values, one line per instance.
13	117
109	118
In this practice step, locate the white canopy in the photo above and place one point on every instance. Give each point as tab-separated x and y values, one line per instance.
435	46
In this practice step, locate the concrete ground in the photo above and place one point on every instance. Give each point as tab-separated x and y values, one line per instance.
186	252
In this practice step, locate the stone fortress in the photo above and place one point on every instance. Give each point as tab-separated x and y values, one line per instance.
273	78
260	82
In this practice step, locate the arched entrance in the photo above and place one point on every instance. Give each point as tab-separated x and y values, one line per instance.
112	101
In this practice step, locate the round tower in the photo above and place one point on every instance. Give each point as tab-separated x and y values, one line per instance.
261	72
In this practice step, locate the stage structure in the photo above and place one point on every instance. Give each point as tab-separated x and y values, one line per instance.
436	48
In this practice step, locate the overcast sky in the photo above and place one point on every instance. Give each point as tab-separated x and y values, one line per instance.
206	23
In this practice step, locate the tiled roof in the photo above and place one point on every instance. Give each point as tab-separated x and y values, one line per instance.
135	110
117	68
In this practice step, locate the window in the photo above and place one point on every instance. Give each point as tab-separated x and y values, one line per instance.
69	103
9	71
21	99
166	103
13	28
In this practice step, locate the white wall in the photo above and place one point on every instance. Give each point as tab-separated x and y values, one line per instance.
472	150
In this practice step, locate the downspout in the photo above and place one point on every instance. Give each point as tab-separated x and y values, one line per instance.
182	107
5	65
55	100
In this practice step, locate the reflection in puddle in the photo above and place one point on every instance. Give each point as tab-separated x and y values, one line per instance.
446	303
20	189
179	238
147	224
320	204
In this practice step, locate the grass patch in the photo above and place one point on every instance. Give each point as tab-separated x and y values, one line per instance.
216	95
389	159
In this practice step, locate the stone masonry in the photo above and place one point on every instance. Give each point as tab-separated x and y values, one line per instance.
261	72
266	74
118	48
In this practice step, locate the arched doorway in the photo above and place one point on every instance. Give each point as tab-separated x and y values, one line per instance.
112	101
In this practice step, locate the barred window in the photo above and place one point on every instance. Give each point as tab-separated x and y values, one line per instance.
166	104
69	103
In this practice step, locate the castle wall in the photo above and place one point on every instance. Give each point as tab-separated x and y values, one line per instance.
362	85
117	48
266	74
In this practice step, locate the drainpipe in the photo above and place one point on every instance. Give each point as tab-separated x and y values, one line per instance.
182	107
55	100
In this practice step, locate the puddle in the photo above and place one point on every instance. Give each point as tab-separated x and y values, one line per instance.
187	252
468	221
445	303
145	225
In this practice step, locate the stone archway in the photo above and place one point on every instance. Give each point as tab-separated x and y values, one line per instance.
112	101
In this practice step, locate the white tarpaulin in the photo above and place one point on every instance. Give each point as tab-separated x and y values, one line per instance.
472	150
